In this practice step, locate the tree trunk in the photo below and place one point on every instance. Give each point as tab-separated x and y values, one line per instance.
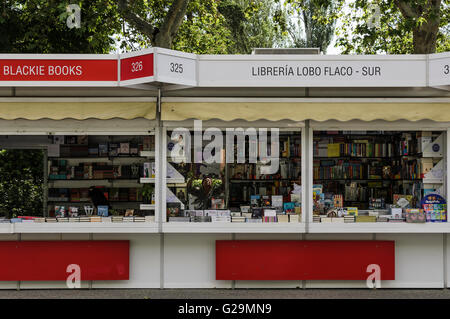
162	40
424	37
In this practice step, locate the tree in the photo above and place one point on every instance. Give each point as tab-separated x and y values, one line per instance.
186	25
253	24
395	27
39	26
316	19
21	180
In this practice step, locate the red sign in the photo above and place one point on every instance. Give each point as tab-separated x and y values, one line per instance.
58	70
49	260
136	67
303	260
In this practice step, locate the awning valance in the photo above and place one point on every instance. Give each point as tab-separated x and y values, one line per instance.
300	111
80	110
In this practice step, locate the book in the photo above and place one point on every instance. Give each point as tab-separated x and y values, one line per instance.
124	148
294	218
283	218
277	201
352	211
102	211
149	219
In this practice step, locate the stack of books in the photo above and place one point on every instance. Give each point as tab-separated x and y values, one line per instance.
4	220
50	220
128	219
27	221
62	219
149	219
220	219
283	218
326	220
316	219
85	219
247	215
349	219
117	219
269	219
74	219
366	219
96	219
238	219
180	219
201	219
139	219
254	220
382	219
106	219
39	220
337	220
294	218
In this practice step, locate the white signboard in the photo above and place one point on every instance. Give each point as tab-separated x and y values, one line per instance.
312	71
439	71
176	67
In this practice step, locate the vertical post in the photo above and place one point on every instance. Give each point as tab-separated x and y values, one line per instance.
45	183
160	178
307	161
447	192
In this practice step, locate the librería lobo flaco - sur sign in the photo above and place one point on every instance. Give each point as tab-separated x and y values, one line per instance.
315	71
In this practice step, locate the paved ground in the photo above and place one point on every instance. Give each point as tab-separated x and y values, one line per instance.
227	294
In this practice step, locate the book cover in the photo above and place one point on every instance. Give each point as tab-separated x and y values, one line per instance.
102	211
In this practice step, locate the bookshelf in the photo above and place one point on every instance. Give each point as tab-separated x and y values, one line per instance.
378	164
113	164
246	179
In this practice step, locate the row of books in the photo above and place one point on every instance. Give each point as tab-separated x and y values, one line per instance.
371	146
279	218
338	170
80	146
131	194
371	169
81	219
60	170
290	146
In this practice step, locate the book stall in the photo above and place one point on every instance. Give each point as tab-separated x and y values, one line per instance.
215	173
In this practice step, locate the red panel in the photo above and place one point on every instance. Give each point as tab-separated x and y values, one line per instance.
136	67
302	260
48	260
58	70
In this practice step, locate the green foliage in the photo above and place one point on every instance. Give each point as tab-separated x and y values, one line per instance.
312	22
21	182
202	31
39	26
211	26
253	24
395	34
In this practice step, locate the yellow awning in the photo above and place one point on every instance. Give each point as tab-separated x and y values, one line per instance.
77	110
300	111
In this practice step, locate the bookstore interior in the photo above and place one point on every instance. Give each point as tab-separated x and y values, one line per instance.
357	176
